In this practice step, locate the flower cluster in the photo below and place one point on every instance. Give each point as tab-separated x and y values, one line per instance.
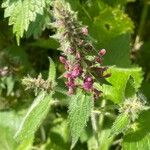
133	106
81	60
37	84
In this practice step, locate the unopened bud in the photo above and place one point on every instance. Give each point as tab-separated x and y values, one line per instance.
62	59
84	31
78	55
102	52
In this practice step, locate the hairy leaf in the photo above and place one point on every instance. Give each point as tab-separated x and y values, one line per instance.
21	13
121	123
34	117
79	111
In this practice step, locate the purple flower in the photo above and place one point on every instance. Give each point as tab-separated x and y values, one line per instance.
71	85
88	83
70	82
77	71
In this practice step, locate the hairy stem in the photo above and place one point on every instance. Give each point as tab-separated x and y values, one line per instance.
101	117
95	130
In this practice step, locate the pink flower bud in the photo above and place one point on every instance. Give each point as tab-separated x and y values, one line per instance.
71	50
84	31
62	59
67	75
77	71
78	55
70	91
102	52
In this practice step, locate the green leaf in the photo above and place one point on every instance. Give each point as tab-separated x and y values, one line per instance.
39	25
130	88
52	71
35	116
121	123
118	51
6	139
118	80
9	123
79	112
110	23
21	13
139	135
26	144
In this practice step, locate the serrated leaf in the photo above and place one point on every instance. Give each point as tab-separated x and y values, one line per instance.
139	135
34	117
80	109
121	123
21	13
40	24
118	80
52	71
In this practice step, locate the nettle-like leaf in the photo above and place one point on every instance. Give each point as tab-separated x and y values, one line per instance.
21	13
35	116
36	27
80	109
121	123
139	135
118	80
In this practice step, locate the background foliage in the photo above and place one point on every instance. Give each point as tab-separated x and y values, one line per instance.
119	26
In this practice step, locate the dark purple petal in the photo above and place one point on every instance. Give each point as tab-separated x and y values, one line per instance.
88	83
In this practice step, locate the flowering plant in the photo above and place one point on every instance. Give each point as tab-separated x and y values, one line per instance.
88	92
